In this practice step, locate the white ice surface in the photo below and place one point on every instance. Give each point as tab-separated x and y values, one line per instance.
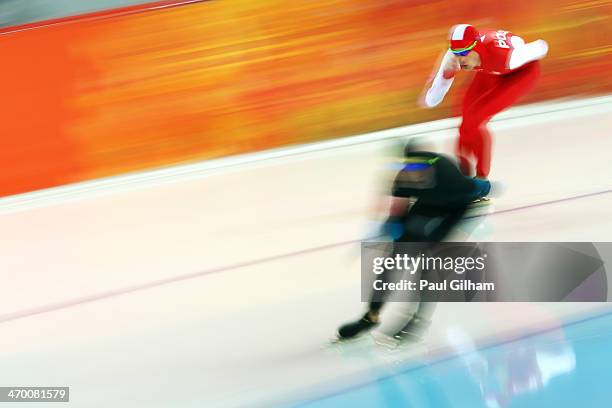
244	329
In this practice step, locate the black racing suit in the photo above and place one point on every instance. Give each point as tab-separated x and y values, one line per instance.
442	196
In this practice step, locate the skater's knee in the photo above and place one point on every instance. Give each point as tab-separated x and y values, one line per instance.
471	126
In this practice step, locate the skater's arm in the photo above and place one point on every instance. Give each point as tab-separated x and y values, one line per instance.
525	53
442	81
399	205
394	225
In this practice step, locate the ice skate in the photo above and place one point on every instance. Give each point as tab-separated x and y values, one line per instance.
414	331
483	187
385	340
480	202
351	330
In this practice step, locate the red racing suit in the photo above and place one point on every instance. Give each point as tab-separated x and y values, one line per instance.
509	68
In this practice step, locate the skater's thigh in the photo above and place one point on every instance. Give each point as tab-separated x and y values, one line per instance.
507	92
450	217
429	223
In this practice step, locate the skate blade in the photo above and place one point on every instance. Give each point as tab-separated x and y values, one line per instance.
480	207
480	202
379	350
357	347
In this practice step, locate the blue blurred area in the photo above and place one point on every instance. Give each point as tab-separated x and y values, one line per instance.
565	367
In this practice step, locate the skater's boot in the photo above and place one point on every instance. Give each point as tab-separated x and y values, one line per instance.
351	330
482	187
414	331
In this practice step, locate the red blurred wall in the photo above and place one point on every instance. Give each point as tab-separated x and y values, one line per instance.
103	95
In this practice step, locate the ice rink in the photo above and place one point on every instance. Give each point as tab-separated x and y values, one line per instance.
219	284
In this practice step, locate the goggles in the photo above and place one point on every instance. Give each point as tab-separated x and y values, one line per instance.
416	164
464	51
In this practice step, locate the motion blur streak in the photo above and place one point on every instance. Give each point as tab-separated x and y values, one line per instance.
98	97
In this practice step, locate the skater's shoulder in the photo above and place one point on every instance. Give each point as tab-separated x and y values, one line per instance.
496	39
491	34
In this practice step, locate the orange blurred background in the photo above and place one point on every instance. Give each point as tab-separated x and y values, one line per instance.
107	94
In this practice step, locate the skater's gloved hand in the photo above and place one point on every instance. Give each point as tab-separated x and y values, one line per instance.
394	227
374	231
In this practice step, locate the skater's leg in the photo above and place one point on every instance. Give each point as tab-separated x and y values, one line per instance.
371	318
425	311
377	300
422	223
420	322
426	223
480	85
416	328
413	224
395	226
475	140
509	89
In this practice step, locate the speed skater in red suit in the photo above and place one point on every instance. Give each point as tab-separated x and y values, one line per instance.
506	68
